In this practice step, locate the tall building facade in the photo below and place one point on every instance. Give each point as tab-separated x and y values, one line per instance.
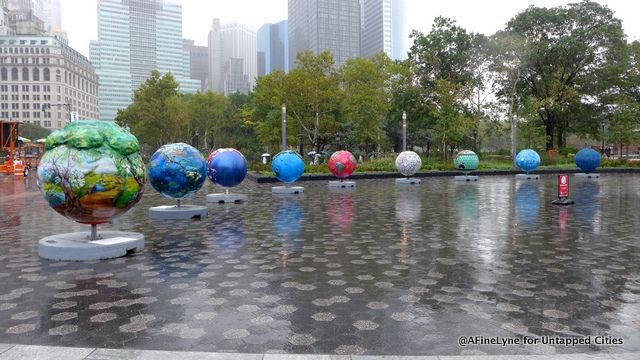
232	58
43	81
383	28
134	38
273	48
49	11
198	61
319	25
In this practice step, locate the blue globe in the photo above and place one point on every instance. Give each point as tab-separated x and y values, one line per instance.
177	170
288	166
226	167
587	160
527	160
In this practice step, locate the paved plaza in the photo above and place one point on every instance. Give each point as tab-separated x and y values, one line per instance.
377	270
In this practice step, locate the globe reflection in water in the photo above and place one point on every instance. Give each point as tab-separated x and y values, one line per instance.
527	201
341	211
587	197
408	206
467	200
287	220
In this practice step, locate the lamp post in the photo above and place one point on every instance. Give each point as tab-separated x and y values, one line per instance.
602	124
404	131
284	127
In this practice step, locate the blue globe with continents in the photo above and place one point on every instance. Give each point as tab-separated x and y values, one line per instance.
466	160
527	160
587	160
226	167
288	166
177	170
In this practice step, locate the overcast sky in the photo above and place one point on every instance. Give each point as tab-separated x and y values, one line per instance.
79	17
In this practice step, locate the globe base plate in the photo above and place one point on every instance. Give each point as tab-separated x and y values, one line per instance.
78	246
466	178
587	176
527	177
408	181
224	198
287	189
182	212
342	184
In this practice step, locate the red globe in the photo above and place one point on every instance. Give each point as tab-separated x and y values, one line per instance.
342	164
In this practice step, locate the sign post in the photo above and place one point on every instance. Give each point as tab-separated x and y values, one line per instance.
563	191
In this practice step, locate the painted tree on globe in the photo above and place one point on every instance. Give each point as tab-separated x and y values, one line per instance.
91	171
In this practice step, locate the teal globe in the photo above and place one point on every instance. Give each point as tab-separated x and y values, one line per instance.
466	160
177	170
288	166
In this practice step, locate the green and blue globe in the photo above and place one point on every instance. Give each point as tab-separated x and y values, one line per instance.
91	171
466	160
177	170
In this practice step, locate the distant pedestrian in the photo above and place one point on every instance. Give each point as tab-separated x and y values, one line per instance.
607	151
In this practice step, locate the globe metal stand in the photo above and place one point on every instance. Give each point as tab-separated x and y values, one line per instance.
226	197
342	184
408	181
587	176
80	246
527	176
177	212
287	189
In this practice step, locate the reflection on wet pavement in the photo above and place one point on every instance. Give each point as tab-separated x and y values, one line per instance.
380	269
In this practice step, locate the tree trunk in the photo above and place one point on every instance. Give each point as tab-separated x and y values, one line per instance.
550	132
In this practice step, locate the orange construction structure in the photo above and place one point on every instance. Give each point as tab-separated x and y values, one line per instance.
12	162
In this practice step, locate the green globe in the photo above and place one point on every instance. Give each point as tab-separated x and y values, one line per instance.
466	160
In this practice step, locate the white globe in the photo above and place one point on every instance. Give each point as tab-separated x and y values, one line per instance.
408	163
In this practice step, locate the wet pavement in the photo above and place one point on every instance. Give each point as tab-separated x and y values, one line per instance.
380	269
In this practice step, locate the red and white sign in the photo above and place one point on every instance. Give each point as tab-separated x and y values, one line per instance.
563	186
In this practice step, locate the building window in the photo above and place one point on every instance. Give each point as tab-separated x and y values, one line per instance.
25	74
36	74
14	74
46	75
3	74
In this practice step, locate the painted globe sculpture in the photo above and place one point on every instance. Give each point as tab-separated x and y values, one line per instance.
466	160
288	166
91	171
408	163
588	160
177	170
226	167
527	160
342	164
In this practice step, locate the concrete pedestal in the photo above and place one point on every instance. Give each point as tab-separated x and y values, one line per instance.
527	177
587	176
342	184
77	246
408	181
172	212
226	198
287	189
466	178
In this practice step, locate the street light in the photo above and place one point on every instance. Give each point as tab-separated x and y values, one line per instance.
284	127
404	131
602	124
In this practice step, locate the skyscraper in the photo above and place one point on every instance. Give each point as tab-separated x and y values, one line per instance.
318	25
49	12
273	48
383	28
134	38
198	61
232	58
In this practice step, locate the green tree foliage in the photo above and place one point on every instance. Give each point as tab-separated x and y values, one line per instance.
33	131
208	113
564	57
367	105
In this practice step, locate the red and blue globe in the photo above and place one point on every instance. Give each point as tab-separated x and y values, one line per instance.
342	164
226	167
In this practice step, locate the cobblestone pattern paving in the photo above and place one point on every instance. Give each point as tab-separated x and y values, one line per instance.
380	269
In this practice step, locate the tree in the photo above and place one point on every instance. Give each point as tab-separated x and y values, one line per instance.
156	115
563	52
207	113
265	110
366	81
